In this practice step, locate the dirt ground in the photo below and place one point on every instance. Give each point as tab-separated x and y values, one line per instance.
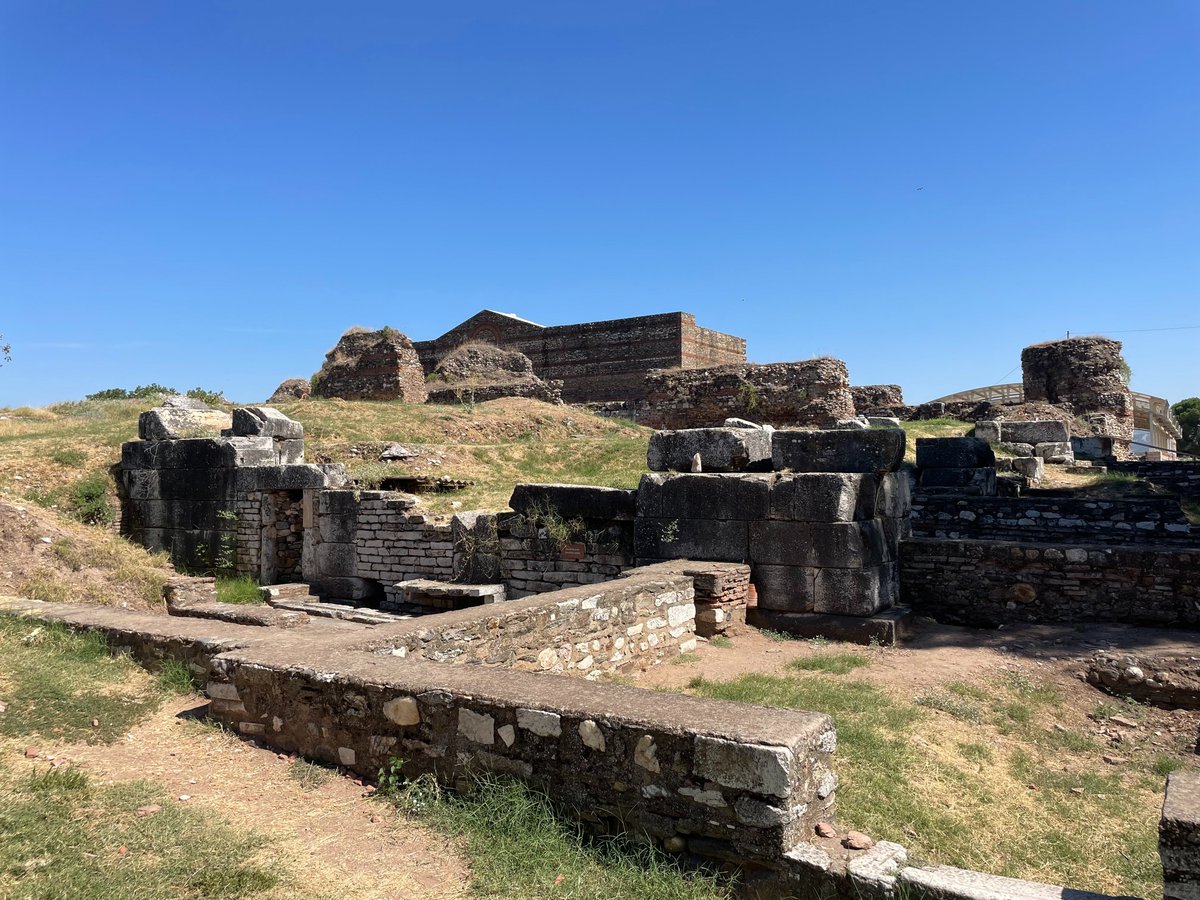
936	654
334	837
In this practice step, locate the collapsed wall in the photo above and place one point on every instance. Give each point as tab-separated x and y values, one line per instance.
372	365
812	392
477	372
1089	377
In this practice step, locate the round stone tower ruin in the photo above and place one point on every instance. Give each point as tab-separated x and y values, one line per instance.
1088	376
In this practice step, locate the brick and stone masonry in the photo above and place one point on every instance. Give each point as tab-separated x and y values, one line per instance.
595	361
372	365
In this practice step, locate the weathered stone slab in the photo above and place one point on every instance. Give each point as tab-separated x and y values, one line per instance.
166	423
953	453
1179	835
576	501
988	431
337	516
843	545
846	592
720	449
703	496
825	496
877	450
263	421
1032	467
1040	432
982	480
949	883
700	539
1055	452
887	628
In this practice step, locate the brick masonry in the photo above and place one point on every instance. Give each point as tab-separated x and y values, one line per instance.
595	361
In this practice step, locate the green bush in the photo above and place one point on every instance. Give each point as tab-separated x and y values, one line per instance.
88	499
212	398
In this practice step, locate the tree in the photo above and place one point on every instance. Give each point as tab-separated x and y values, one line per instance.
5	351
1188	413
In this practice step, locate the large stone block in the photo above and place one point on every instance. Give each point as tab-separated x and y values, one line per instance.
248	451
825	496
1041	432
290	478
196	484
720	449
953	453
877	450
166	423
699	539
337	516
576	501
982	478
856	592
701	496
337	560
263	421
1055	452
1179	836
843	545
785	588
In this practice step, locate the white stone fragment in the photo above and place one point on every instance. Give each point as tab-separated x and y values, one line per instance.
591	735
476	727
402	711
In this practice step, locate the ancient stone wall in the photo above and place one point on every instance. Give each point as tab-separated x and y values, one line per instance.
564	534
372	365
1179	476
199	499
813	392
595	361
820	541
1179	837
989	583
1049	518
586	631
1086	375
878	399
546	391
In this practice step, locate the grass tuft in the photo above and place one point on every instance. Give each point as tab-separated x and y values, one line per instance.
239	589
830	663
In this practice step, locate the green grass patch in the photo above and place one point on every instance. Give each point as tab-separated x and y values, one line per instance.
521	845
57	682
309	775
238	589
830	663
774	635
686	659
176	677
64	836
69	457
721	640
962	708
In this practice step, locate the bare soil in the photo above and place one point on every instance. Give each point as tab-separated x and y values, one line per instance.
338	840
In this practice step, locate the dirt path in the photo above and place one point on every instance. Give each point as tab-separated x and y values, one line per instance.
338	841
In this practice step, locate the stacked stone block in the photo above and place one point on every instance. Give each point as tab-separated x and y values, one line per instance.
822	537
956	465
200	499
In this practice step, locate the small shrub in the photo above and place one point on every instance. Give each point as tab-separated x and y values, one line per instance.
212	398
88	499
774	635
1164	765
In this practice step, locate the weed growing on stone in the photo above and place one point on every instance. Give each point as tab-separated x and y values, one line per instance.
239	589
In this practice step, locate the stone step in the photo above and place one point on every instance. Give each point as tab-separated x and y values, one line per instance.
340	611
449	594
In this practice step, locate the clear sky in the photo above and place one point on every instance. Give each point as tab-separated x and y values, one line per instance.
209	193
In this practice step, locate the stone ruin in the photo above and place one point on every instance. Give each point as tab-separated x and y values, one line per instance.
476	372
1086	376
372	365
291	389
501	624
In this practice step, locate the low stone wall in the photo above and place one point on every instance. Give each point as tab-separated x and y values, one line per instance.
721	592
989	583
1058	519
1179	476
878	399
813	392
1170	681
637	620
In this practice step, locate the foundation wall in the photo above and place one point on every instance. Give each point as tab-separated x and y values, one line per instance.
989	583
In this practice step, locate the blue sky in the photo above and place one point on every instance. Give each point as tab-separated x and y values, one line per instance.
209	193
